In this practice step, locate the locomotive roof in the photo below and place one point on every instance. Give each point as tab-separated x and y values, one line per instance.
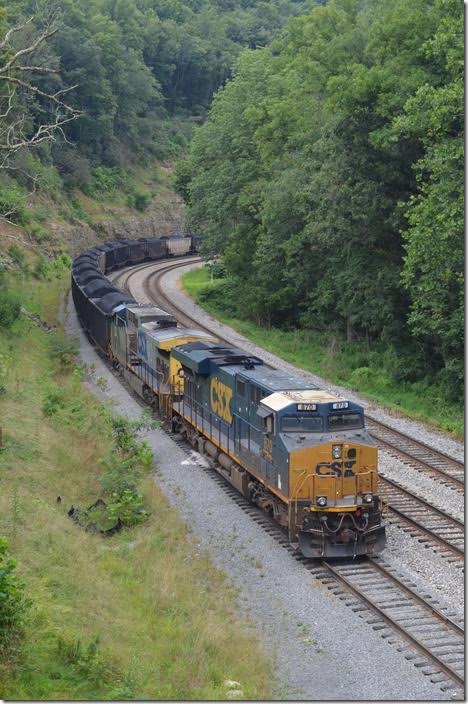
273	379
175	333
142	310
281	399
203	356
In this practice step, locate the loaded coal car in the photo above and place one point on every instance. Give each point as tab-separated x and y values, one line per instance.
95	303
98	287
99	252
299	452
136	251
100	314
155	248
86	260
107	259
84	274
120	255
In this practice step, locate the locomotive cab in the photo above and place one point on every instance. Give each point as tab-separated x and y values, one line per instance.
327	464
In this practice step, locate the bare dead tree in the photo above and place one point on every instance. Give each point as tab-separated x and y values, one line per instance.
19	69
16	74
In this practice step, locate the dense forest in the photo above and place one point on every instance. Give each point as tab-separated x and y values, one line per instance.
329	175
142	72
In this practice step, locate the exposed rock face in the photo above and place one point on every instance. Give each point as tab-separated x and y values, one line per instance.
160	221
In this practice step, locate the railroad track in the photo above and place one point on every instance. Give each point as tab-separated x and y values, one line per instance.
123	277
398	610
429	636
432	527
420	456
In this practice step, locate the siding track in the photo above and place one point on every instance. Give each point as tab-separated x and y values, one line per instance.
420	456
429	636
432	527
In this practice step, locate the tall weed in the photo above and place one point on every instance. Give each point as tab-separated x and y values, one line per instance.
13	602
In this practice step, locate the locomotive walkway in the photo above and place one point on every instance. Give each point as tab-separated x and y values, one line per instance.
395	606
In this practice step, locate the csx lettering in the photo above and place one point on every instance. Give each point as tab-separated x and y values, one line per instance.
330	469
220	399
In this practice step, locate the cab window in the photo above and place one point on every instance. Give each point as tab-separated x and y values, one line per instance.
301	424
344	421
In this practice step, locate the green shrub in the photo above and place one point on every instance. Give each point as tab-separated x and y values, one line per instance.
10	307
63	348
53	401
224	296
120	474
86	659
13	602
13	203
217	270
142	201
126	507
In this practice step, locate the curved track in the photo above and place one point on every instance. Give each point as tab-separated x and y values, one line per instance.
427	635
421	457
433	527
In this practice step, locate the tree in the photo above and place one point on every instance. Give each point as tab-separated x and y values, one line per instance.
433	270
19	87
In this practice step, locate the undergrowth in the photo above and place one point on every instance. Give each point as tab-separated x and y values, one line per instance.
370	372
142	614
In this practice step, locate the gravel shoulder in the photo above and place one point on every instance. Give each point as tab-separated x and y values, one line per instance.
418	430
446	581
322	649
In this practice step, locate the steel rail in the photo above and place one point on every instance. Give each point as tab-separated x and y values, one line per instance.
414	458
444	667
154	290
420	599
430	509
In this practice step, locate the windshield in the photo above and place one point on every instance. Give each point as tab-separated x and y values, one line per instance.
301	424
344	421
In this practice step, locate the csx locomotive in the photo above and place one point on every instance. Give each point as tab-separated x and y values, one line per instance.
300	453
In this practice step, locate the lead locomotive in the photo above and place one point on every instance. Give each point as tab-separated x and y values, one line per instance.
301	453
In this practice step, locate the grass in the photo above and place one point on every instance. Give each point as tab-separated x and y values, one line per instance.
337	361
143	614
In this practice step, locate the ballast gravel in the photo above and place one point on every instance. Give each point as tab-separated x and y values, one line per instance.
425	566
419	431
321	649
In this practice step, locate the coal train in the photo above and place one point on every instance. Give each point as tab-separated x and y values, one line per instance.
299	452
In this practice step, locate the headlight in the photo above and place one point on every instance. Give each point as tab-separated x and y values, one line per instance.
336	451
368	498
321	501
